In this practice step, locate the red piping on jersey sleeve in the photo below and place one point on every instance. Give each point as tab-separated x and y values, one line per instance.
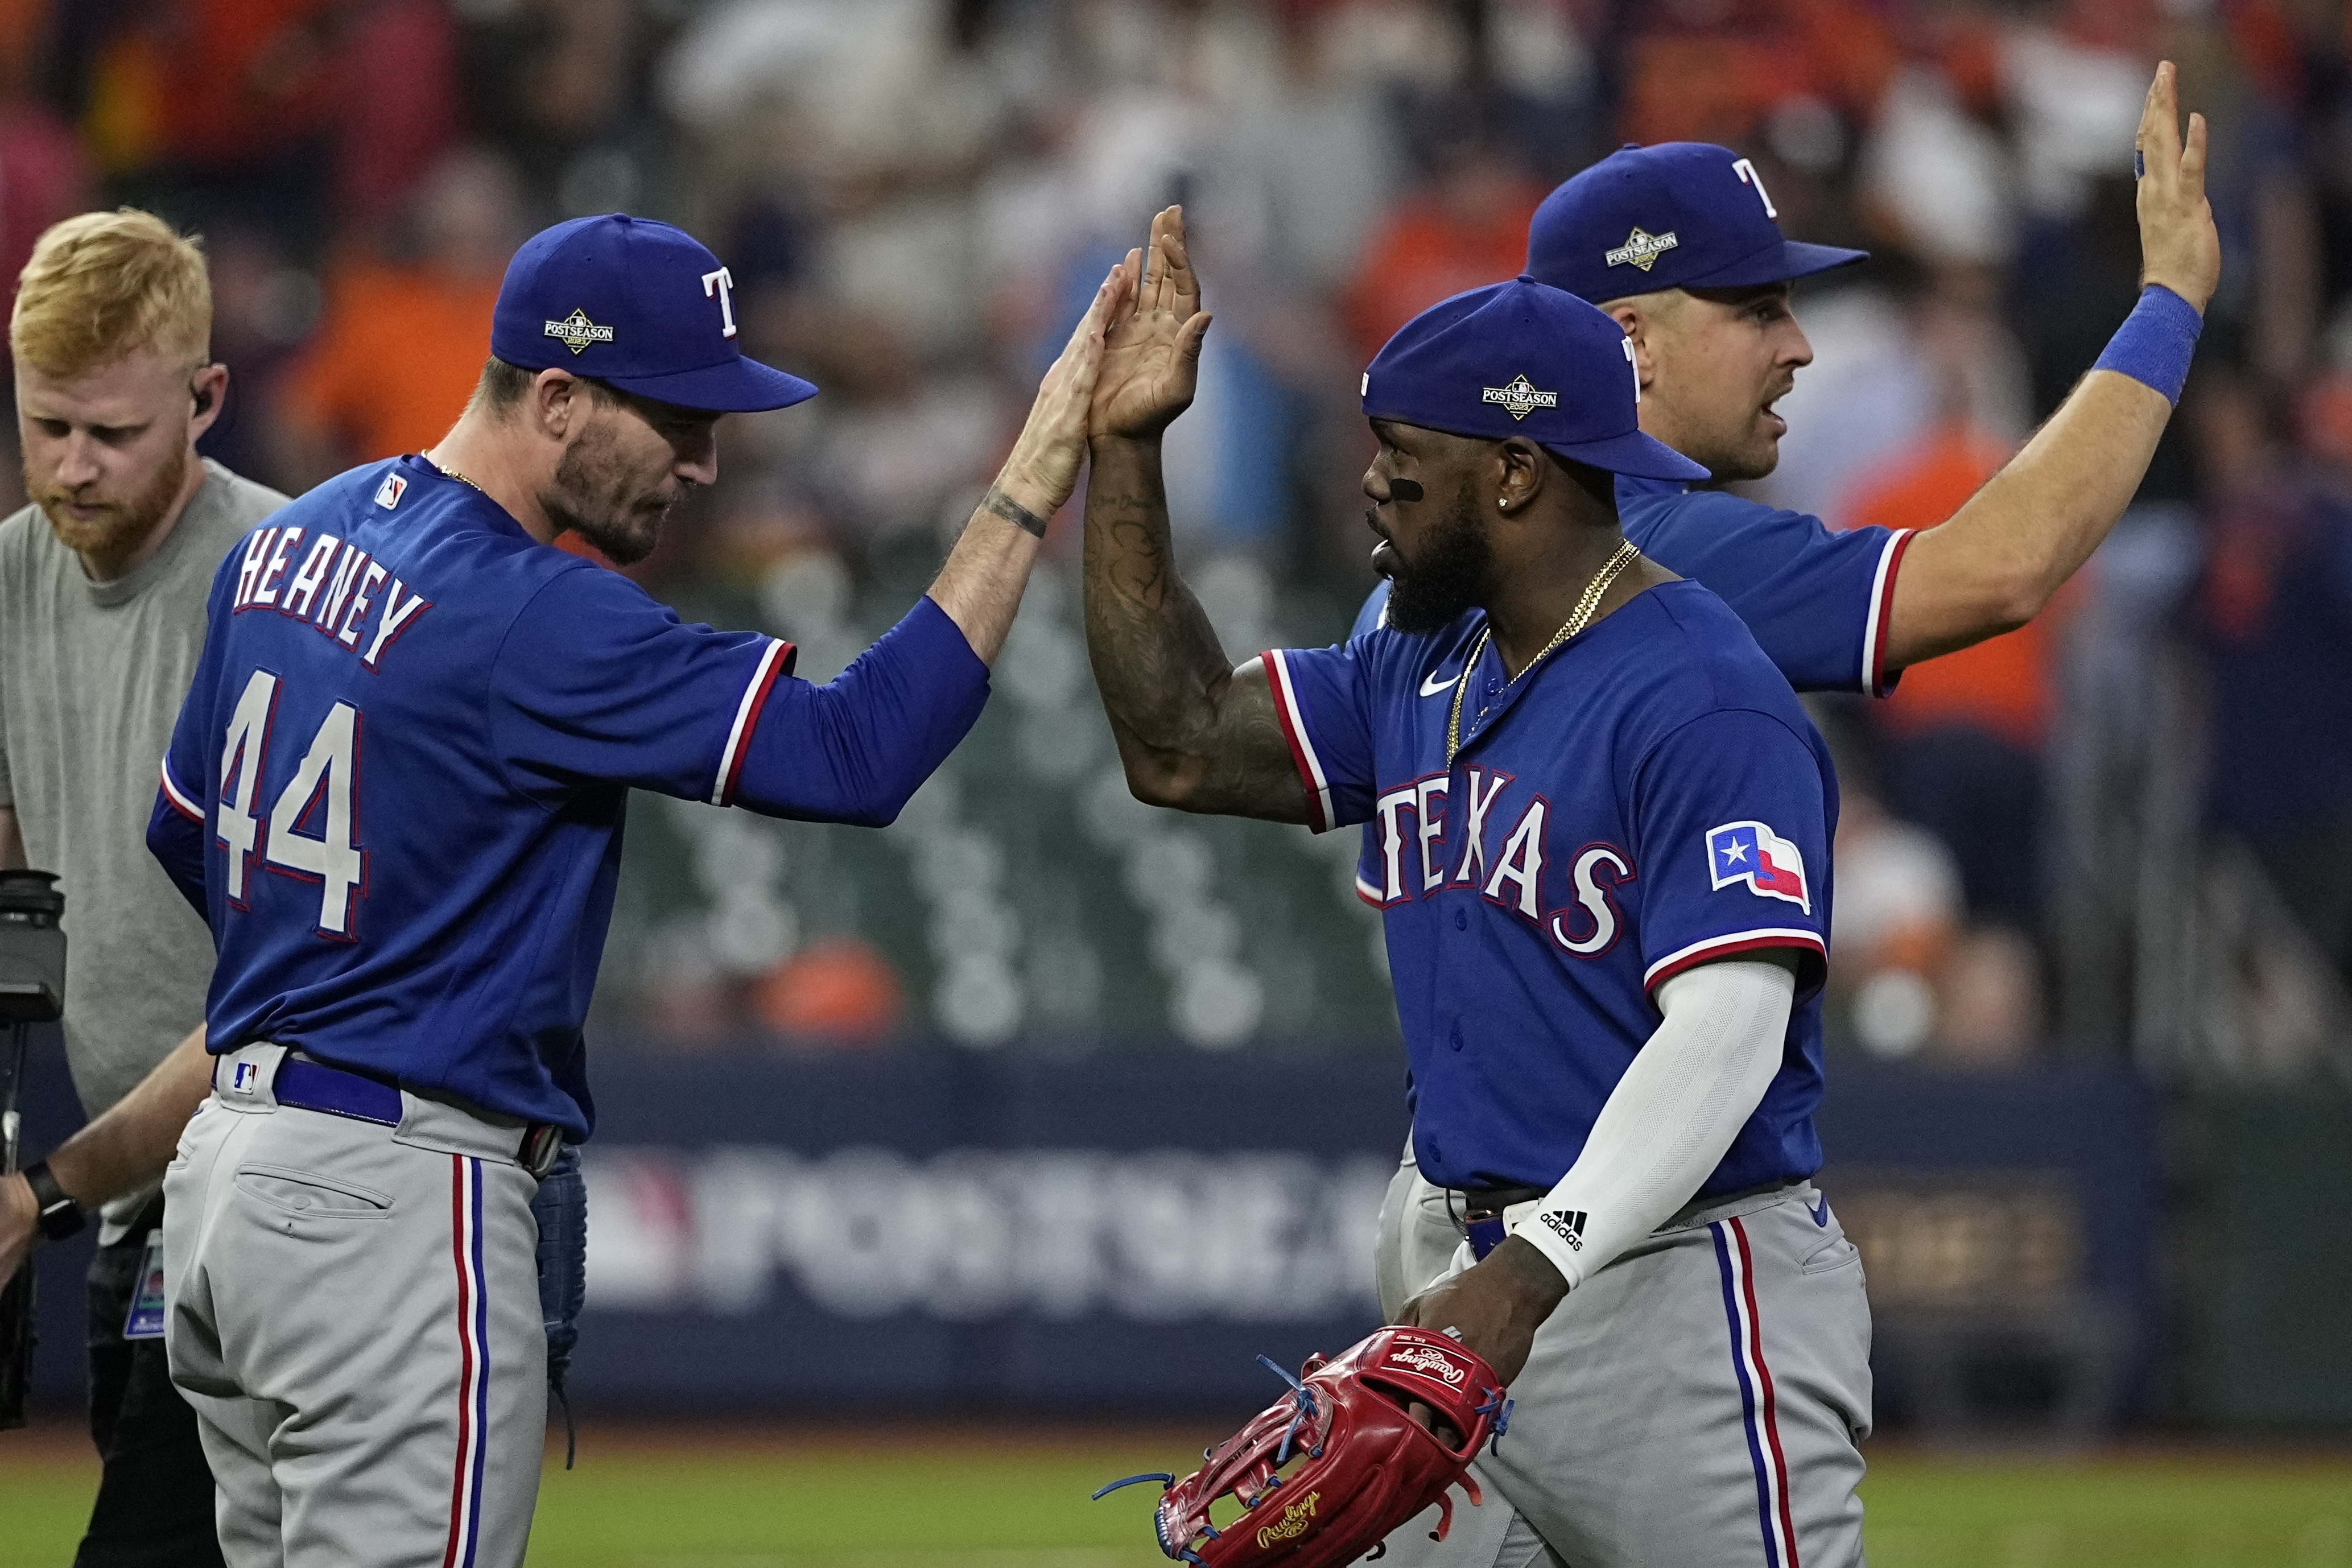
1731	946
777	661
1302	749
179	799
1882	609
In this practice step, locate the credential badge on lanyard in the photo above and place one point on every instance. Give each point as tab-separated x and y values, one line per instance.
146	1319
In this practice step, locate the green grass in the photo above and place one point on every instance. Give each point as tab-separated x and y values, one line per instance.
964	1497
976	1498
2201	1508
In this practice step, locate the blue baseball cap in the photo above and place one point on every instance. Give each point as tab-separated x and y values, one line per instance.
1522	359
640	305
1680	215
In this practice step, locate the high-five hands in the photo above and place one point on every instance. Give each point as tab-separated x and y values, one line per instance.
1042	468
2178	245
1152	354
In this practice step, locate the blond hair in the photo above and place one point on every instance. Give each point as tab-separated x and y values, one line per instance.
106	284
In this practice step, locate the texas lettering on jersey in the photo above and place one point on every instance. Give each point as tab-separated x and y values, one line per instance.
1649	799
1501	857
1500	854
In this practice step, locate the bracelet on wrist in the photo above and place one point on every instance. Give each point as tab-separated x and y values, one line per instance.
1012	511
2155	342
59	1216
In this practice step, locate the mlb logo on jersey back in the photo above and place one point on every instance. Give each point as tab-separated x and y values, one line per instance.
388	494
1752	853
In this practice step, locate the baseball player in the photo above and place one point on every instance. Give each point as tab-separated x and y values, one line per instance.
1680	243
395	793
103	580
1605	824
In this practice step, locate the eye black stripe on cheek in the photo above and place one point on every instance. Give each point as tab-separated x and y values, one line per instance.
1405	489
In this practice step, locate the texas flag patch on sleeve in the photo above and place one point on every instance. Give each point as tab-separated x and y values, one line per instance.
1752	853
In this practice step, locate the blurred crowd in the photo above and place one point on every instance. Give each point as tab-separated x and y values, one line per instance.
914	198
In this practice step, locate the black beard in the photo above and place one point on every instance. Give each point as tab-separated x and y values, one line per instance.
1455	569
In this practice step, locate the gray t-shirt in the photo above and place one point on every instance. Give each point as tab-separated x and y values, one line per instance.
91	675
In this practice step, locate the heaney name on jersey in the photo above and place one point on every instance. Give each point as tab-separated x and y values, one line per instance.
334	589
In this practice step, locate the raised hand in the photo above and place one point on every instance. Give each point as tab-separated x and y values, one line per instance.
1042	468
1151	356
2178	245
980	587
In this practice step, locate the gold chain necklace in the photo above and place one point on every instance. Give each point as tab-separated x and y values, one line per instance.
1587	604
448	472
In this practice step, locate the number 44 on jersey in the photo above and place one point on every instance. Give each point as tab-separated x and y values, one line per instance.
311	827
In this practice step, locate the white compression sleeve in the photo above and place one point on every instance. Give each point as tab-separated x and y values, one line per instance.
1671	1117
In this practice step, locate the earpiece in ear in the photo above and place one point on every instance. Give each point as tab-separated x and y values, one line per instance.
204	397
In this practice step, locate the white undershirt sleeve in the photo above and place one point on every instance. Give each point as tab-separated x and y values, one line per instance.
1671	1117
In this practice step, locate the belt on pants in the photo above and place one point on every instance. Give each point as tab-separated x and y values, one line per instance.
1486	1213
306	1083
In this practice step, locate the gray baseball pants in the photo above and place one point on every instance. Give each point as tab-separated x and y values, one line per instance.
352	1310
1696	1404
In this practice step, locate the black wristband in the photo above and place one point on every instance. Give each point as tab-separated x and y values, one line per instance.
61	1216
1011	511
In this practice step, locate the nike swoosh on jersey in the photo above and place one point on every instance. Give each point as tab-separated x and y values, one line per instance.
1433	686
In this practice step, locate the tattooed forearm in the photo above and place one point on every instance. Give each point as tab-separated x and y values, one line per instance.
1192	731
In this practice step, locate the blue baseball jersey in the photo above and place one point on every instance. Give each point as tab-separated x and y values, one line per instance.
397	784
1648	799
1815	601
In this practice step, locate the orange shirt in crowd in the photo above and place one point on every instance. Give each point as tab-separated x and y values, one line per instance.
214	83
1715	73
394	360
1431	248
2001	686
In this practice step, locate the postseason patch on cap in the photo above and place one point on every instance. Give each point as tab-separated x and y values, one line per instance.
1641	248
1572	388
1519	398
576	331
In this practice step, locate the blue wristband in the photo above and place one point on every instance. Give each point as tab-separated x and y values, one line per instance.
2155	342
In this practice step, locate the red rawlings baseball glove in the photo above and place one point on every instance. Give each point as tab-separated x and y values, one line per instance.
1323	1475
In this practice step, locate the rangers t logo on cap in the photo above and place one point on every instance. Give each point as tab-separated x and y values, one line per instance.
1716	227
654	302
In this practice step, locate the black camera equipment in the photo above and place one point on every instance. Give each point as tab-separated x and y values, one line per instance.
31	991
